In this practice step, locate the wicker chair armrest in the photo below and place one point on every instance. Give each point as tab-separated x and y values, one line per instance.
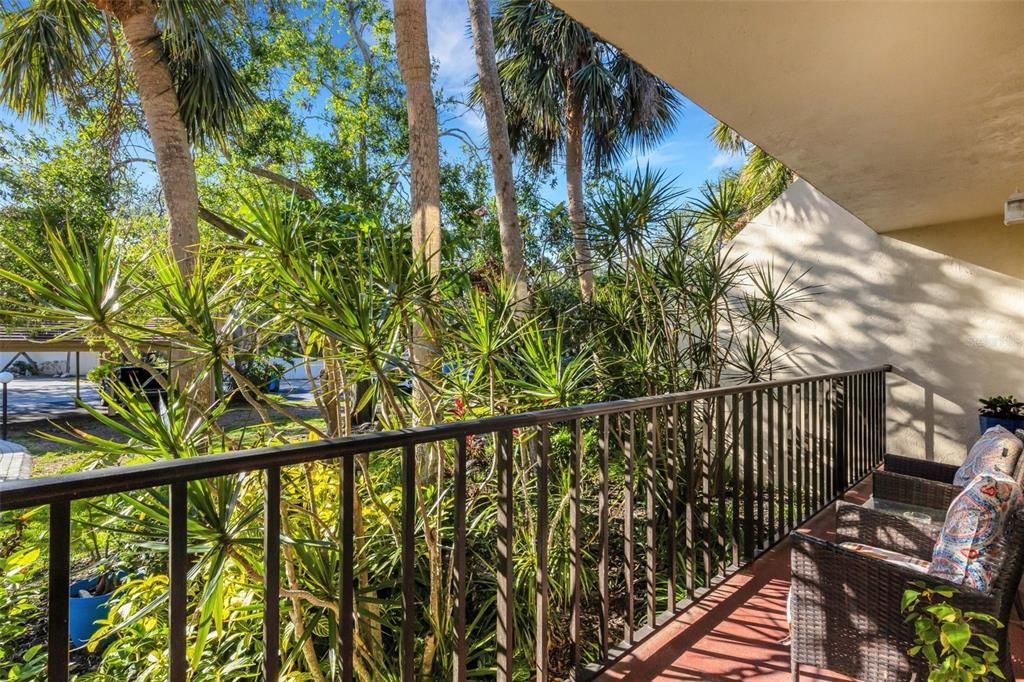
886	531
920	468
844	604
920	492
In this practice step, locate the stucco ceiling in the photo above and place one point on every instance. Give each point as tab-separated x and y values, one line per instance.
906	113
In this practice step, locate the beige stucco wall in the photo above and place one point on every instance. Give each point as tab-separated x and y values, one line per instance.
953	329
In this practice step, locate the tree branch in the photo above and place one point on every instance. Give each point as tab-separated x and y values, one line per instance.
216	221
278	179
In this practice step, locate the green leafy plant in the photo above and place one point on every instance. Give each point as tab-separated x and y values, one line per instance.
950	639
1001	406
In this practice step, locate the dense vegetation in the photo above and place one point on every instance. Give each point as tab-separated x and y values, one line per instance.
305	253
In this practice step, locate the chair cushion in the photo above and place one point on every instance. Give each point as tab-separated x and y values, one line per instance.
996	450
1018	472
971	546
887	555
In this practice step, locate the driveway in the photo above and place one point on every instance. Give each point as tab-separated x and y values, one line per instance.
41	398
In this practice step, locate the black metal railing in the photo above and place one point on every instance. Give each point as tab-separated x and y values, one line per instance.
713	477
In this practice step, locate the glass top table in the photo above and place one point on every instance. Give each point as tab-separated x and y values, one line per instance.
910	511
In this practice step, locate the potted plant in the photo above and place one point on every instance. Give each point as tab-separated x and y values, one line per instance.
1001	410
87	604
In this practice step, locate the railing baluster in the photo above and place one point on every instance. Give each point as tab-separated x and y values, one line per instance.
408	648
780	464
814	438
826	458
819	496
770	455
879	415
830	437
178	577
57	604
506	581
873	417
826	440
749	531
650	485
808	450
720	481
459	559
272	570
576	549
861	423
884	418
758	462
791	485
602	531
671	454
691	516
798	455
542	554
704	500
734	415
627	526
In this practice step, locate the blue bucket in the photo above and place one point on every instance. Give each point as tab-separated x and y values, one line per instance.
83	612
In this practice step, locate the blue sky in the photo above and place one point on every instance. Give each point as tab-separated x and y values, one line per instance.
686	154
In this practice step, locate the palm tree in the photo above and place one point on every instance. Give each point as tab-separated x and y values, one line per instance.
189	93
761	179
425	192
501	151
425	176
571	95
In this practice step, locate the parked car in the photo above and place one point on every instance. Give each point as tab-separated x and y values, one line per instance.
136	379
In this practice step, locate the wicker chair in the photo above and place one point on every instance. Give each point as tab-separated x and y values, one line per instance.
845	608
916	481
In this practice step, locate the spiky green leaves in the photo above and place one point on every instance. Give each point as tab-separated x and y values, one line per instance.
44	49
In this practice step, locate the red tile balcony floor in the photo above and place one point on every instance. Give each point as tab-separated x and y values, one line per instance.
737	631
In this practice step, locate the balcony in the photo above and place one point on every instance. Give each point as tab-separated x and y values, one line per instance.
677	569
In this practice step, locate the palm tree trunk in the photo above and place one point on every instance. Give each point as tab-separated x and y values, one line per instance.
171	145
574	191
425	181
501	152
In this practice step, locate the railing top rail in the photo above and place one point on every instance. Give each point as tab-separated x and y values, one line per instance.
83	484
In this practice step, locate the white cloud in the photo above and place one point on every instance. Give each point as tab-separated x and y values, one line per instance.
450	43
726	160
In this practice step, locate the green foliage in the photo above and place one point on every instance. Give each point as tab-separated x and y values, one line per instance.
22	591
311	184
548	62
954	642
50	48
762	177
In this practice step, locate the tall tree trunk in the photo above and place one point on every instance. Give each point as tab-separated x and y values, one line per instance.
171	145
425	181
501	152
574	192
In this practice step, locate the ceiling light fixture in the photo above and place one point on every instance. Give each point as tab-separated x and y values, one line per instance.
1013	212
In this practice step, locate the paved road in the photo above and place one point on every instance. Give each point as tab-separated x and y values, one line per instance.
34	398
41	398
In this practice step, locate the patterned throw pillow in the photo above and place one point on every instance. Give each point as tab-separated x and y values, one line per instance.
996	450
888	555
970	548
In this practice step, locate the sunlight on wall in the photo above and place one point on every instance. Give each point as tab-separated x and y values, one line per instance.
953	329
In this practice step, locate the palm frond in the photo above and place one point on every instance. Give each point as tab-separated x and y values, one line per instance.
44	47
